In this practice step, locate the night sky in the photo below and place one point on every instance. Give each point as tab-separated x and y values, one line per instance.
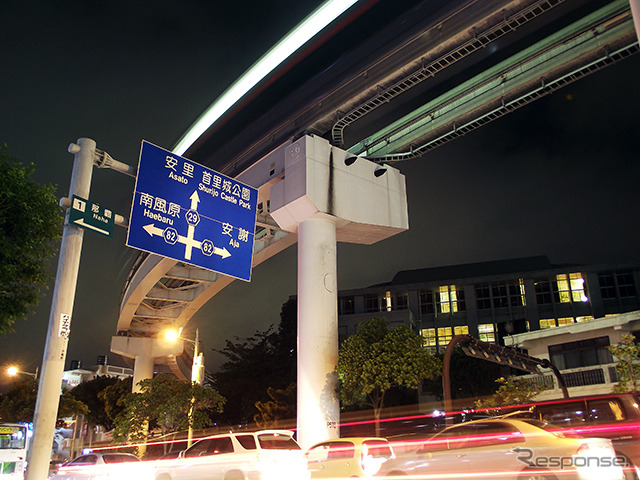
558	177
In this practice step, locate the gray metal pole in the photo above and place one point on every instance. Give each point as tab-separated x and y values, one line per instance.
195	378
55	351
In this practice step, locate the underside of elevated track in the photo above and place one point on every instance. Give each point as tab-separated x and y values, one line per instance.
421	76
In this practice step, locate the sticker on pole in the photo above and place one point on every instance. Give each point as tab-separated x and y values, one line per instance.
190	213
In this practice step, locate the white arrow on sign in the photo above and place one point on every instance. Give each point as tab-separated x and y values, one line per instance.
152	230
80	221
195	199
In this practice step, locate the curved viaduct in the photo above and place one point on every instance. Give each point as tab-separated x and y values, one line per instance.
416	79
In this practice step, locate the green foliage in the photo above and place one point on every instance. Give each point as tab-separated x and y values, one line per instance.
164	402
30	225
112	397
19	403
282	406
627	356
512	391
89	394
70	406
376	359
264	360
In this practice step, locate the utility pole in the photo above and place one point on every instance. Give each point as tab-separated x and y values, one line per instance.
55	351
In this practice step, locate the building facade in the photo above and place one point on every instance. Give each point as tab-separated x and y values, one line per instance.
493	300
580	352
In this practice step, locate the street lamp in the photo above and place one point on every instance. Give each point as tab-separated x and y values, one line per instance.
13	371
197	371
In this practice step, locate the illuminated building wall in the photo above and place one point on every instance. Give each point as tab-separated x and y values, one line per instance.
491	300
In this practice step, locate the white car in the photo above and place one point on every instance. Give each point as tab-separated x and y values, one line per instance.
506	449
103	466
348	457
262	455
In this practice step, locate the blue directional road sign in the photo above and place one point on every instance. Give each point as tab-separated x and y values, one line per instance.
188	212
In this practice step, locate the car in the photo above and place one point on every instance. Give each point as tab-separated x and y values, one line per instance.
613	416
261	455
348	457
506	449
101	466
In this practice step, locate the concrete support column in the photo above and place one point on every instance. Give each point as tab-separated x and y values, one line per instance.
145	351
318	405
142	369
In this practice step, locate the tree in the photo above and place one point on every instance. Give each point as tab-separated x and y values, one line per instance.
89	394
627	356
19	403
282	406
512	391
112	397
30	225
267	359
164	402
375	359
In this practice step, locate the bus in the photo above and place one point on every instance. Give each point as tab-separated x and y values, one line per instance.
14	442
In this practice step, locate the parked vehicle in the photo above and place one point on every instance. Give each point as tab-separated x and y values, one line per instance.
262	455
14	445
613	416
507	449
348	457
102	466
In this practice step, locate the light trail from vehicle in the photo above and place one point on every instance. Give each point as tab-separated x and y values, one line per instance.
276	56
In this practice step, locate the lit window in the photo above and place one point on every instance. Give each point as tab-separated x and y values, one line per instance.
394	301
486	332
565	321
586	318
451	299
547	322
571	288
518	297
444	336
387	301
461	330
443	300
429	337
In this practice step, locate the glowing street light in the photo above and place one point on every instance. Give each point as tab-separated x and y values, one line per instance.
13	371
172	335
197	369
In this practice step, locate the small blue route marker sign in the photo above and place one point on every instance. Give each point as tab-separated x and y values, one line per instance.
190	213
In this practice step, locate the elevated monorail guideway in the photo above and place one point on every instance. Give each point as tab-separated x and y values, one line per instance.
417	80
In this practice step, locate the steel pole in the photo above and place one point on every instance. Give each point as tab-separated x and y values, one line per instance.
195	377
49	388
